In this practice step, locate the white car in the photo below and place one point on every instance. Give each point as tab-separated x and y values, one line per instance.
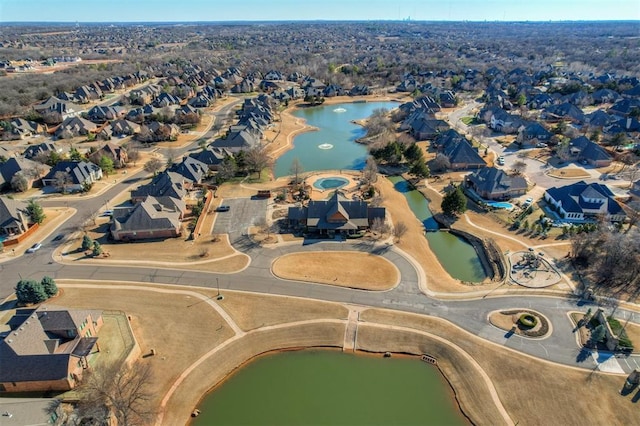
541	145
501	161
34	248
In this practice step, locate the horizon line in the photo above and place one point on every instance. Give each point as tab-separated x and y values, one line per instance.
520	21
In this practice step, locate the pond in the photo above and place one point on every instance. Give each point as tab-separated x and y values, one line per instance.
333	146
455	254
330	387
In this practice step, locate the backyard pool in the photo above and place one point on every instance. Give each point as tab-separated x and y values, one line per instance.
500	205
330	183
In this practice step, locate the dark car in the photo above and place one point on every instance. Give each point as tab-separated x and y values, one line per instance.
223	208
58	237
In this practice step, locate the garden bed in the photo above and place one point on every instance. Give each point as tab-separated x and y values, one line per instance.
522	322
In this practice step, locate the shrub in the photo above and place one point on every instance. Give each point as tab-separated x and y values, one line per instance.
30	291
49	286
528	320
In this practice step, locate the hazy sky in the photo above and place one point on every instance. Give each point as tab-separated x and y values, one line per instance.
266	10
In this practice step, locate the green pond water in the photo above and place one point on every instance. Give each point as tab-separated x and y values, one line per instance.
331	388
333	146
456	255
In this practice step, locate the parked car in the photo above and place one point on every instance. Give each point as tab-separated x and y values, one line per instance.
541	145
58	237
501	161
34	248
107	213
223	208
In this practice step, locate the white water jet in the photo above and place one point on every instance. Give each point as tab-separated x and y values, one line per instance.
339	110
325	146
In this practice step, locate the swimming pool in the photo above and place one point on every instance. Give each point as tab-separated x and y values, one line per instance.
330	183
500	205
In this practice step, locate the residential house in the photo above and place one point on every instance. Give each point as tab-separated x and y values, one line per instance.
624	107
165	99
564	111
14	217
100	114
584	150
212	156
333	90
502	121
494	184
23	128
462	155
191	168
116	153
151	218
533	133
598	119
605	96
75	126
165	184
635	190
122	127
79	174
56	109
360	90
581	202
335	215
237	141
86	94
33	151
48	349
31	170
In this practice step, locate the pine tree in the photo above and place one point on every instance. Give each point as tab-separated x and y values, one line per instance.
49	286
454	202
30	291
87	243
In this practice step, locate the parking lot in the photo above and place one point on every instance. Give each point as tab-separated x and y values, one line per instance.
243	213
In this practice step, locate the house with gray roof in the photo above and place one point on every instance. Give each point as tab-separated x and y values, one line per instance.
584	150
78	173
31	170
237	141
33	151
212	156
151	218
75	126
48	349
22	128
14	217
494	184
191	168
462	155
165	184
335	215
100	114
533	133
581	202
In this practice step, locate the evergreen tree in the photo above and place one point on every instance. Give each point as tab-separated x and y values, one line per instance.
97	248
420	169
49	286
87	243
36	212
106	164
413	153
454	202
30	291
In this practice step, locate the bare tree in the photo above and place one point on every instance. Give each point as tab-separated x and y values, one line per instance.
440	163
19	182
370	171
153	166
296	169
61	180
124	392
257	160
379	226
399	229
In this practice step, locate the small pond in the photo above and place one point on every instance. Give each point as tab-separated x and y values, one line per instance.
333	146
331	388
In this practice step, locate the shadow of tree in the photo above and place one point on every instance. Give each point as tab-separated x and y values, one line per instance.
583	355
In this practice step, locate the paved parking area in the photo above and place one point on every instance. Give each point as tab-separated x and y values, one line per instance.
243	213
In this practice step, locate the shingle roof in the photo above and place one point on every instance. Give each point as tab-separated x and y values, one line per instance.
575	198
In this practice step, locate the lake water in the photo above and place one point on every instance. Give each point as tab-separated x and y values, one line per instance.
331	388
333	146
455	254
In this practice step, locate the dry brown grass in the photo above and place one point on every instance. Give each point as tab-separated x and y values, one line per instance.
179	327
202	254
533	391
569	173
365	271
251	311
